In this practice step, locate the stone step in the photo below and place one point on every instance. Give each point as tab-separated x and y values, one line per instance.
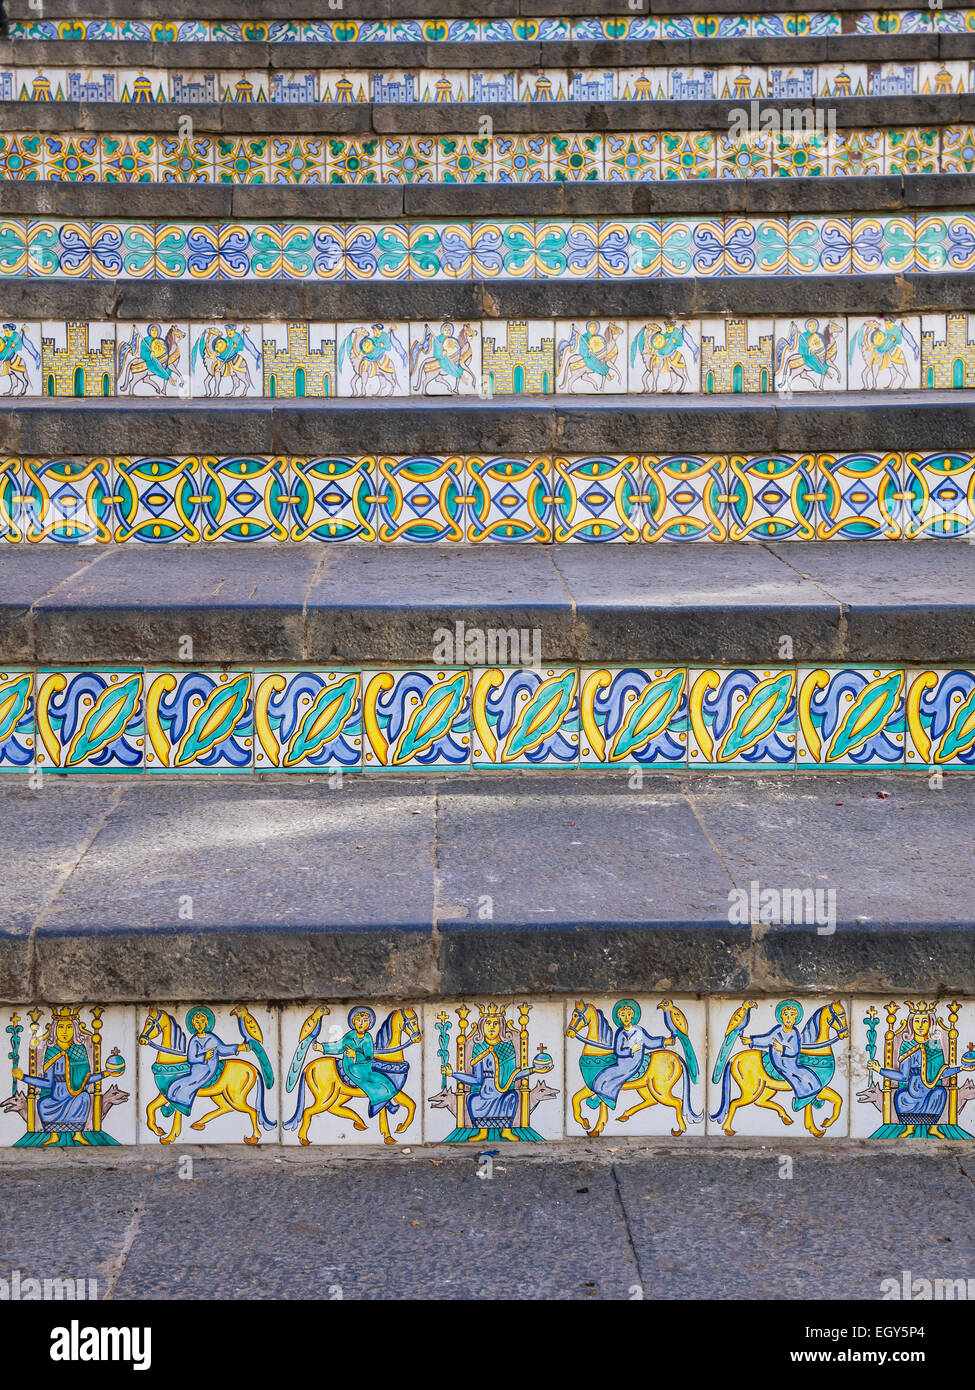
731	603
297	890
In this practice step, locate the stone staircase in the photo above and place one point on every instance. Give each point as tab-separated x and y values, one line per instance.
400	495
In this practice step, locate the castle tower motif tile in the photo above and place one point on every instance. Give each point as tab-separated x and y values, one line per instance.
70	1076
354	1074
299	360
518	357
590	356
153	359
493	1072
947	351
884	353
810	354
209	1074
78	359
226	360
736	355
664	356
635	1066
445	358
779	1066
373	359
913	1064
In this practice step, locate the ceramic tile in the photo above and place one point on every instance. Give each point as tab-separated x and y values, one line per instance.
685	498
420	499
742	718
940	723
298	360
509	499
939	494
199	721
241	159
352	1079
942	78
153	359
296	161
855	153
78	359
140	87
773	497
633	717
68	500
344	87
17	733
158	500
565	247
493	1071
747	158
525	717
664	355
800	155
518	357
333	499
957	150
129	159
884	353
207	1074
90	721
245	498
687	156
810	354
81	1063
417	719
912	151
851	717
20	359
590	356
597	499
762	1080
308	720
642	1057
21	157
859	496
445	358
520	159
185	160
226	360
550	85
898	1088
408	159
736	355
439	250
576	158
12	501
461	159
373	359
632	158
947	351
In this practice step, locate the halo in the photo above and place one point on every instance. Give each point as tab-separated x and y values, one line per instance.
200	1009
631	1003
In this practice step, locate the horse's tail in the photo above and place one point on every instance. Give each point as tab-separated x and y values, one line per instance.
695	1116
725	1103
295	1120
262	1113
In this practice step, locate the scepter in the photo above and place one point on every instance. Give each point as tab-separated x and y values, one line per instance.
14	1028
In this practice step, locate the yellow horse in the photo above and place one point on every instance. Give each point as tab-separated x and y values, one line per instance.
656	1084
332	1091
758	1087
231	1089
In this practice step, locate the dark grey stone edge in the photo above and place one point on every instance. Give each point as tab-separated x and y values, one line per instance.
421	963
883	193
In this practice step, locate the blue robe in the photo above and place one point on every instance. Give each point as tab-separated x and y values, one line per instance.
492	1101
916	1102
804	1080
182	1090
58	1110
630	1048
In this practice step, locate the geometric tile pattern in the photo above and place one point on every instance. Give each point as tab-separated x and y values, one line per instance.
725	245
527	715
489	1069
571	499
380	159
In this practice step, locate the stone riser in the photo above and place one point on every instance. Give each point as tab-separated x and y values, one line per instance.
551	1055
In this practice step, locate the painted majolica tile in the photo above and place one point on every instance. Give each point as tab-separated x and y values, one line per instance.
21	158
445	359
186	161
226	360
353	160
153	359
71	158
884	353
70	1076
525	717
664	355
912	1069
78	359
943	78
20	359
635	1066
775	1064
464	159
293	87
957	150
307	720
518	357
741	718
736	355
296	160
576	158
408	159
67	500
772	496
373	359
633	717
90	721
686	155
548	85
939	493
855	152
520	159
810	354
139	87
199	721
345	86
436	250
129	159
568	247
509	499
208	1074
417	719
859	496
19	722
851	717
241	159
940	708
749	157
590	356
157	500
632	158
12	508
947	351
420	499
912	151
685	498
844	79
597	499
298	360
493	1071
333	499
351	1078
245	498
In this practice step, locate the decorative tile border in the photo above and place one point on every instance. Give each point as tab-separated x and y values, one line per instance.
78	157
180	721
346	86
628	248
815	23
366	361
489	1070
561	499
